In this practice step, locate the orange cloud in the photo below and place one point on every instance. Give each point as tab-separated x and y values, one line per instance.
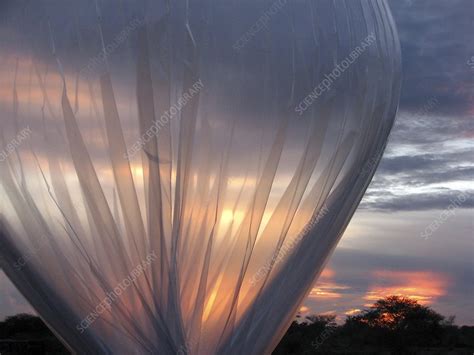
329	313
326	288
353	311
304	309
30	93
327	273
423	286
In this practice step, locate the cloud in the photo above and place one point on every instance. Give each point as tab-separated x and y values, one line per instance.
304	309
395	165
326	288
417	202
430	129
352	311
402	163
436	45
425	165
369	276
424	286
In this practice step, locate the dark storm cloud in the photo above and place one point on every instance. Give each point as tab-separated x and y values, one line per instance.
436	39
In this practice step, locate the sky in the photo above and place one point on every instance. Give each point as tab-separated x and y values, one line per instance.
413	233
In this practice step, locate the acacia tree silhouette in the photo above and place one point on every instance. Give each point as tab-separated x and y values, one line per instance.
401	322
398	313
394	324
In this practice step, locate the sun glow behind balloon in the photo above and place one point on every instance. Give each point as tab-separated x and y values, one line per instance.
238	197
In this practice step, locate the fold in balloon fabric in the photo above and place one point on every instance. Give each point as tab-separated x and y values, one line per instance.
174	175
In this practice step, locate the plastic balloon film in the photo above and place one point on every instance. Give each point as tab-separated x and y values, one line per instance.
174	175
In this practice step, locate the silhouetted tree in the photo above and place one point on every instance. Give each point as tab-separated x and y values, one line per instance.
27	334
307	334
394	325
400	322
16	325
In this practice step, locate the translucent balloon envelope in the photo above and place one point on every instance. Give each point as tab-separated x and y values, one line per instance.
174	175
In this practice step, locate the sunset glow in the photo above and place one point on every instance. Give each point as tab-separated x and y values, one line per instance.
423	286
326	287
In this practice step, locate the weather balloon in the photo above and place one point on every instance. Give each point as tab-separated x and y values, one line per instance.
175	174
